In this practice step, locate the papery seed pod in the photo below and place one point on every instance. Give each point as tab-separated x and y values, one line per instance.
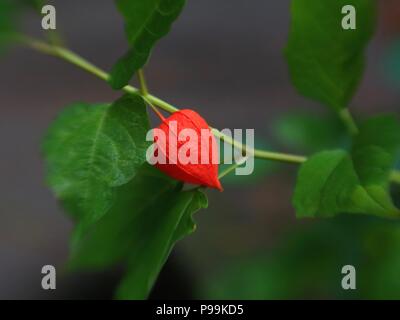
189	148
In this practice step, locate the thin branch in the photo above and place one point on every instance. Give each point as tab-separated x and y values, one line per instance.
82	63
142	81
232	167
348	121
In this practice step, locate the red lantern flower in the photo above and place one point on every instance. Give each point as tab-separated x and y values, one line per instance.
189	148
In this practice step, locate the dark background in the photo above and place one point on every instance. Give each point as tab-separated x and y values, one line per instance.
224	59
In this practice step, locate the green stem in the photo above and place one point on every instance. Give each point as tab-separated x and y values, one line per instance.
348	121
55	38
142	81
231	168
80	62
153	107
260	154
66	55
395	176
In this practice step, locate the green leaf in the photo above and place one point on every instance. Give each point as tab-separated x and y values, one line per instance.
324	185
91	149
146	22
173	221
333	182
325	61
149	216
310	132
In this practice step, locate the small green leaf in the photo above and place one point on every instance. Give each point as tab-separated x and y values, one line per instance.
325	61
146	22
310	132
91	149
150	214
333	182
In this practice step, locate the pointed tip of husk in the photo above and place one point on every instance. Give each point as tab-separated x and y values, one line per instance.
217	185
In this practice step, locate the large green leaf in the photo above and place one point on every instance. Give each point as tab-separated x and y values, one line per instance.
91	149
149	216
146	22
333	182
325	61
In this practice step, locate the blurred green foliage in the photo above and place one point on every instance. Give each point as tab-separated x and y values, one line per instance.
391	64
306	132
309	260
333	182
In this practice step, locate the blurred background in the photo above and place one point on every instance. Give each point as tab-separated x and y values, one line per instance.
224	59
